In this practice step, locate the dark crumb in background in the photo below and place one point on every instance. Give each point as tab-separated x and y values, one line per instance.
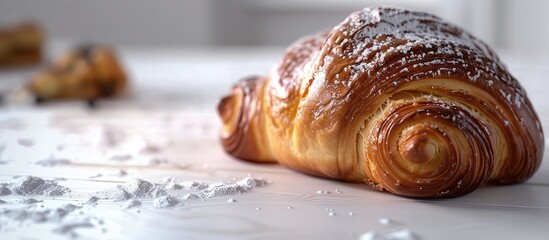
92	103
39	100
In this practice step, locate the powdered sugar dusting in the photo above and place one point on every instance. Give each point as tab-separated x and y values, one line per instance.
372	37
422	27
379	50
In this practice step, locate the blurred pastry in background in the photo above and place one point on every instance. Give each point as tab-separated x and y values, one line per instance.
87	73
21	44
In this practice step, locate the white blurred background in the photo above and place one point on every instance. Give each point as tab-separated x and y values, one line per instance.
514	26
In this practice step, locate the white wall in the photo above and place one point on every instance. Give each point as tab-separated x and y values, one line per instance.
172	22
281	22
515	25
525	26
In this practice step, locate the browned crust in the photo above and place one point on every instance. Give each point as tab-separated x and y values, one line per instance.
20	44
87	72
348	104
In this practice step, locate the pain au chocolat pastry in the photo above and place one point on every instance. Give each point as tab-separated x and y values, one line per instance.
87	73
401	100
20	44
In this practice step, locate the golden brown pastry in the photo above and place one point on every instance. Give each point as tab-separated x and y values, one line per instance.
401	100
20	44
88	73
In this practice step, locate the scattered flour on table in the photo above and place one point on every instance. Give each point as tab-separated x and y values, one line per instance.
166	201
68	228
162	193
190	196
395	233
158	161
26	142
92	201
121	173
224	189
29	201
385	221
132	204
190	185
96	176
35	214
53	162
323	192
121	158
401	234
135	188
116	194
59	216
4	191
172	193
39	215
29	185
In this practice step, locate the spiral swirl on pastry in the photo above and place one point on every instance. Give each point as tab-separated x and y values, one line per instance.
427	146
398	99
240	134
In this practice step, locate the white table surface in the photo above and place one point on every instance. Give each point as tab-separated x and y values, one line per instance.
174	93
